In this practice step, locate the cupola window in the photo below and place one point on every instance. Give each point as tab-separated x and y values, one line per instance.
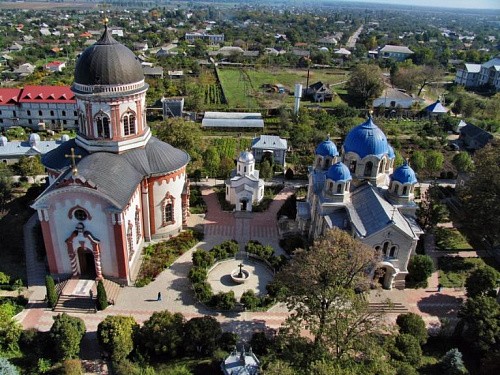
352	166
102	122
405	190
128	121
339	188
368	169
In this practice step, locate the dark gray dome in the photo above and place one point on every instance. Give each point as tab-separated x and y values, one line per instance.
108	62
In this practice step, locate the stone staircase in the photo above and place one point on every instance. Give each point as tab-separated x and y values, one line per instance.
112	290
387	307
74	295
72	300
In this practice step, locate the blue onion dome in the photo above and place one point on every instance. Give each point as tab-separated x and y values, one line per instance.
339	172
366	139
404	174
390	152
327	148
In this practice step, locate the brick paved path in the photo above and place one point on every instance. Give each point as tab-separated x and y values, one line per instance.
177	296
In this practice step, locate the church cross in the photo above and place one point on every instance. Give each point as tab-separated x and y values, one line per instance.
73	158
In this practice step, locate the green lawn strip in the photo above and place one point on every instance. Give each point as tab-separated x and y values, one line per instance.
453	271
450	239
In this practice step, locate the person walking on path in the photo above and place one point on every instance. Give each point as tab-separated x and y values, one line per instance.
439	287
91	294
159	296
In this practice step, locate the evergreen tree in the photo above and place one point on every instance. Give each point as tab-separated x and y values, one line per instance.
51	291
102	297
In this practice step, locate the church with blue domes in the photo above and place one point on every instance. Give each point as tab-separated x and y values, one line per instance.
359	191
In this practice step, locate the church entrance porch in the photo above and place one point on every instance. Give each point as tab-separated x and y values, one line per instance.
384	275
86	262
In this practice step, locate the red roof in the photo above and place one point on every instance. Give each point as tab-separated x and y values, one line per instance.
54	63
9	96
47	94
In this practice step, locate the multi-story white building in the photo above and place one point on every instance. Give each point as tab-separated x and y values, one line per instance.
211	38
475	75
52	106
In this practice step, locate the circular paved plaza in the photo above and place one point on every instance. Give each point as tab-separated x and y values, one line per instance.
220	277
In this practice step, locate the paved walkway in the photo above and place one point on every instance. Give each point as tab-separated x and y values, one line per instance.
176	289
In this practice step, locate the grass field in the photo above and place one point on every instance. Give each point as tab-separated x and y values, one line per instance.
236	82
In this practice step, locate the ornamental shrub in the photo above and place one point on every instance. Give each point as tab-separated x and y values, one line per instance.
419	270
7	368
51	291
249	299
115	334
203	291
66	335
452	363
102	297
223	301
414	325
197	274
202	258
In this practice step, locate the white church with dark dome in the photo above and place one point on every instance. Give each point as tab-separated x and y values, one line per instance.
114	187
359	191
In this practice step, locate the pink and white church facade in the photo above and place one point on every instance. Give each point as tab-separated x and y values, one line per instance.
114	187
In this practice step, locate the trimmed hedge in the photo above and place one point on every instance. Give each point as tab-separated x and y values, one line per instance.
51	291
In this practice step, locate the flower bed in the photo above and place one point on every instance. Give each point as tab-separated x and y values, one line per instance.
159	256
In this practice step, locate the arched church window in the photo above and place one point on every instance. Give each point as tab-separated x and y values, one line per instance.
352	166
330	186
102	122
328	161
392	252
405	190
318	162
168	210
339	188
130	240
137	224
368	168
128	121
381	166
385	248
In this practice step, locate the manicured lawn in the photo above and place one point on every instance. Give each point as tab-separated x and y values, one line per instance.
453	271
235	81
451	239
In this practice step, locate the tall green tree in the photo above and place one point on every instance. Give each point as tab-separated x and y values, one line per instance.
116	335
30	166
10	330
481	323
481	281
463	162
201	335
481	194
365	83
434	161
66	335
319	287
212	161
414	325
162	335
5	187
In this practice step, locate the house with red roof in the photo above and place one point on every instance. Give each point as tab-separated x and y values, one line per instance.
55	66
38	106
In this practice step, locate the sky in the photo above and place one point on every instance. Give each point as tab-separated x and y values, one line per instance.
469	4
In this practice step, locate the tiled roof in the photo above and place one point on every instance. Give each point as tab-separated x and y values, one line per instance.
370	212
47	94
9	96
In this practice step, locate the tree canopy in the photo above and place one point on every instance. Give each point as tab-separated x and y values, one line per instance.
319	287
365	83
66	334
481	195
115	334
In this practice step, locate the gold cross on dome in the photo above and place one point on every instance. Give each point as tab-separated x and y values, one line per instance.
73	158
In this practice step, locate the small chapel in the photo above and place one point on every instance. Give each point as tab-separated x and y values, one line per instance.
359	190
244	187
114	187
